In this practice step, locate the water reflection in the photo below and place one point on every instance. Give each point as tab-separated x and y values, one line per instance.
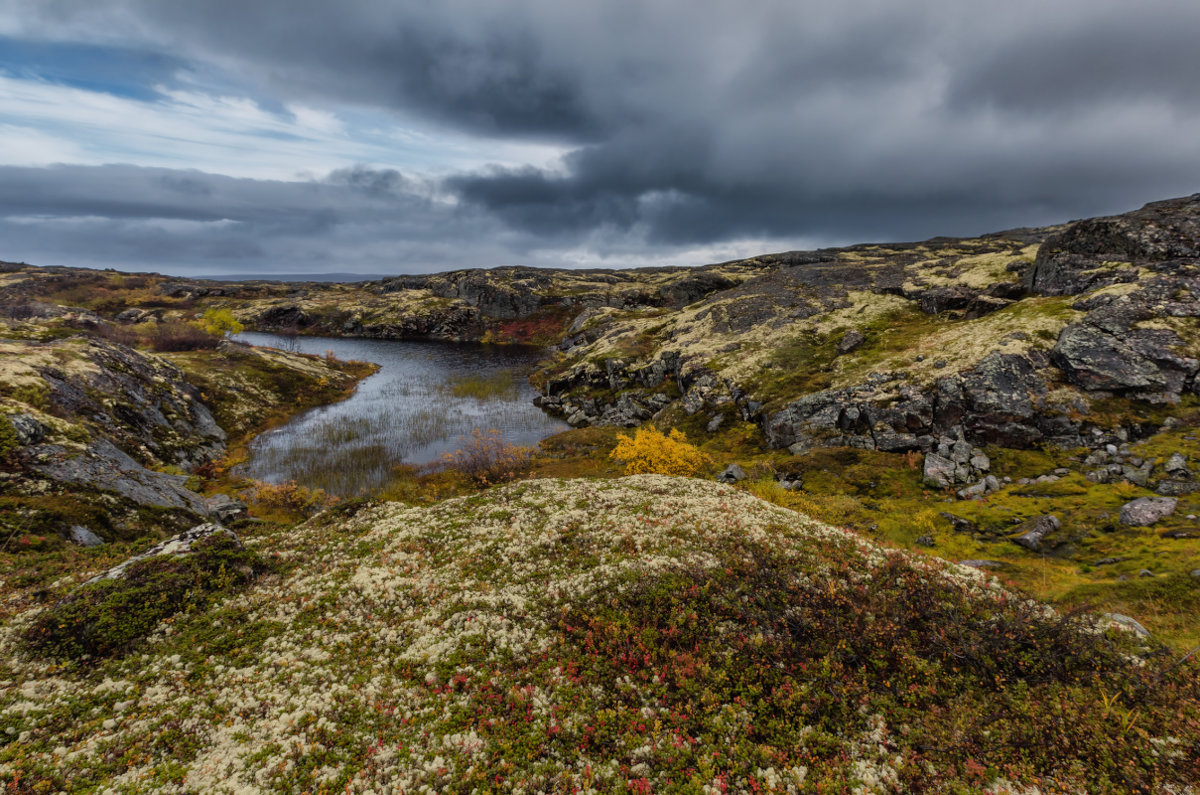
425	399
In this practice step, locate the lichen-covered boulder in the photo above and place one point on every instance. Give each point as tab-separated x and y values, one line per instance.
1146	511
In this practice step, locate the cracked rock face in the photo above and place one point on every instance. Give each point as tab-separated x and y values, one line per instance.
105	467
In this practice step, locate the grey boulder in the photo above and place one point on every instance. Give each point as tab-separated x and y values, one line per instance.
83	537
732	474
1129	624
1146	511
224	508
28	430
1034	531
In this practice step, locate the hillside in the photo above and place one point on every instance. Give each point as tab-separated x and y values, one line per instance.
107	446
646	634
1040	384
900	422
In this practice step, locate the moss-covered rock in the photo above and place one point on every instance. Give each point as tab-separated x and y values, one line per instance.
112	612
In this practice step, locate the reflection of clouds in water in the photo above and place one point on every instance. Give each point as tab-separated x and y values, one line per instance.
404	414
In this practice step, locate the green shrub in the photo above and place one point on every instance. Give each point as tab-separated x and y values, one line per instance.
289	498
8	437
31	394
107	618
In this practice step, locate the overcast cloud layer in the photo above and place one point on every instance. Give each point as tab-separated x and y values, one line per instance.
381	137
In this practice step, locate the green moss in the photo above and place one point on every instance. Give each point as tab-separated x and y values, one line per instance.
107	618
1115	411
8	437
801	365
34	395
1026	463
894	333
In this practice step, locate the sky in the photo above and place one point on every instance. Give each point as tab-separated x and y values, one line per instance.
236	137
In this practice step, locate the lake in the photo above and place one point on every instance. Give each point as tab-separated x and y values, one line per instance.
423	403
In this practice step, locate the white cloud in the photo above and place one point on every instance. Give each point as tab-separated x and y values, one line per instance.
30	145
42	123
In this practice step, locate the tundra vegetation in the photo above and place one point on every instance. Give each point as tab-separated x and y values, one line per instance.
552	619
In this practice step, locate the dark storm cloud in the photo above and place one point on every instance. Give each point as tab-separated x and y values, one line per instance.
478	69
161	219
692	122
1135	57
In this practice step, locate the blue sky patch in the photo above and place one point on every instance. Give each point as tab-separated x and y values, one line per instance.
119	71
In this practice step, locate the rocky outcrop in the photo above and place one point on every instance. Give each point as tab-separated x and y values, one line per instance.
1124	346
1030	378
955	463
139	402
1002	400
1100	252
104	467
1113	464
104	436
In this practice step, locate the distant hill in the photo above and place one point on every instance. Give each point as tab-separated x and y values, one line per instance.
294	277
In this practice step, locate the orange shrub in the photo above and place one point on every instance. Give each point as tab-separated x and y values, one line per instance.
289	497
487	458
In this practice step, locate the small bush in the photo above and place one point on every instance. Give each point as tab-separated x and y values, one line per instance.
290	497
1126	490
174	335
967	684
8	437
650	451
107	618
30	394
221	322
122	335
486	458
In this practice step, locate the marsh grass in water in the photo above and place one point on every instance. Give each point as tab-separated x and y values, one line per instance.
500	385
425	402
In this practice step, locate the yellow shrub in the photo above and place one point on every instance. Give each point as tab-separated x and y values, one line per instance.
289	498
221	322
651	451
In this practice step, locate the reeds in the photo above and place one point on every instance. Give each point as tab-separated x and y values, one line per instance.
416	421
498	385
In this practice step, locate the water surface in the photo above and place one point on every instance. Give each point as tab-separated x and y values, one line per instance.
406	413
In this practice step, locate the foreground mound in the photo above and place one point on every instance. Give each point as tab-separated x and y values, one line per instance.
650	634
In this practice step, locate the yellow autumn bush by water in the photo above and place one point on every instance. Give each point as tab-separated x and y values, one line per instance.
650	451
